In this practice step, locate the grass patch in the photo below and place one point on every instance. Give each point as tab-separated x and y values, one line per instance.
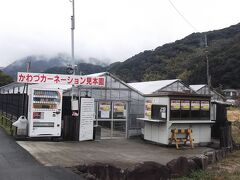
216	172
5	123
212	175
233	114
198	175
227	169
236	134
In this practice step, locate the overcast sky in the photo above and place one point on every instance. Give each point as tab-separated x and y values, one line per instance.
105	29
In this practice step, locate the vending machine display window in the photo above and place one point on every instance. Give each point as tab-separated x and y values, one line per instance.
46	99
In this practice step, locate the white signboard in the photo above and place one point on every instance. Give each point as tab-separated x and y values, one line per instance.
86	119
43	78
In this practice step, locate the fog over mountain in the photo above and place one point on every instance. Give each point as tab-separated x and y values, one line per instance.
55	64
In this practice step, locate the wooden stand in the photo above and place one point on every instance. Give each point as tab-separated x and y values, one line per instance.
186	132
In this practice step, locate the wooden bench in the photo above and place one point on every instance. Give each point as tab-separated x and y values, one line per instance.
186	136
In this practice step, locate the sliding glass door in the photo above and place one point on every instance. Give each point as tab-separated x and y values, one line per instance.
112	117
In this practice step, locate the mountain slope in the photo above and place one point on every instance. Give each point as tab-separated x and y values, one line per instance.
54	65
83	68
186	59
38	64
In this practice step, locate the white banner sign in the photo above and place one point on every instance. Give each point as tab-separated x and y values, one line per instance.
86	119
43	78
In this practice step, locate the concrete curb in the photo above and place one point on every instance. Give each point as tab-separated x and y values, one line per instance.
175	168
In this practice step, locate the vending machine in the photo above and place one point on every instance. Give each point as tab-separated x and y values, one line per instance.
44	112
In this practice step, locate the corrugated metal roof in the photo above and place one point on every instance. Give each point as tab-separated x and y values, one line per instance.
150	87
178	94
18	87
197	86
53	86
96	74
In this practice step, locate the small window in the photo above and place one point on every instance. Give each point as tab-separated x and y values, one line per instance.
205	109
185	109
195	109
159	112
175	112
227	93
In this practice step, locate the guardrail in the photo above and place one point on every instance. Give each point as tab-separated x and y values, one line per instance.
6	123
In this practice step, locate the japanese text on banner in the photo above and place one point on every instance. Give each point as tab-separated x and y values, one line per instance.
43	78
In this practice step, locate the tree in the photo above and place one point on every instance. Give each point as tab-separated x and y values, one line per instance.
5	79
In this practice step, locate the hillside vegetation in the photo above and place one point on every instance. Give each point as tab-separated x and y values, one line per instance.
5	79
186	59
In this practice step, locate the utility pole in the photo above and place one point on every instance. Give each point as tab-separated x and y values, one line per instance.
25	86
207	61
73	66
28	69
72	34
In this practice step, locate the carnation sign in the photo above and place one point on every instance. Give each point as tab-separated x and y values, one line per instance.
43	78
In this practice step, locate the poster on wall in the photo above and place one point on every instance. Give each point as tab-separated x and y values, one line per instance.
105	109
185	105
119	110
205	105
75	108
86	119
148	109
119	107
163	112
195	105
175	104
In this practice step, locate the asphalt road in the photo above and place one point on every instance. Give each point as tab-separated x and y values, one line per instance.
17	164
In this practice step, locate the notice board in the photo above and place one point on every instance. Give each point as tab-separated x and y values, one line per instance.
86	119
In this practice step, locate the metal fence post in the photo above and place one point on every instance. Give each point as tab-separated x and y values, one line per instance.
6	112
18	109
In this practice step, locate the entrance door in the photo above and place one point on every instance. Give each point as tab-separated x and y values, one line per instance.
112	117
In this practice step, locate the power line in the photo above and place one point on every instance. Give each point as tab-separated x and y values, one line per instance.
183	17
205	42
